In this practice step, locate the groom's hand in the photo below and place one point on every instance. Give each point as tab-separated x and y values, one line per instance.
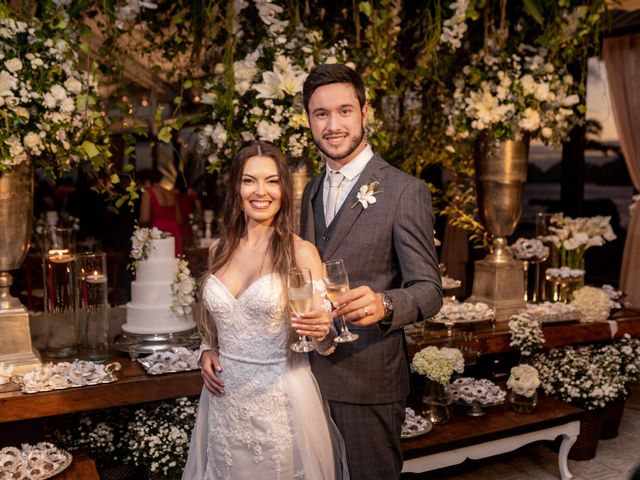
210	370
360	306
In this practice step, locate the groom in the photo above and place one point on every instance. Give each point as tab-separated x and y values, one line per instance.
385	238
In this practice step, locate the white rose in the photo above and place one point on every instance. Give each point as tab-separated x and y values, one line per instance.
546	132
13	64
73	85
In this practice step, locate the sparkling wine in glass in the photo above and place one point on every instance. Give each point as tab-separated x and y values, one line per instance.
300	300
337	283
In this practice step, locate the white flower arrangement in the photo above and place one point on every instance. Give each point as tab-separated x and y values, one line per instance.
594	304
529	249
183	289
524	380
629	350
573	236
526	334
153	436
582	376
261	98
513	94
367	195
438	364
141	243
48	103
158	437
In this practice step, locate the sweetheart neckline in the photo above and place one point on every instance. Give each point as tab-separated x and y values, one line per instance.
237	299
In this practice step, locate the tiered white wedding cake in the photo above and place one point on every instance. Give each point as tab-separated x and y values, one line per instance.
150	310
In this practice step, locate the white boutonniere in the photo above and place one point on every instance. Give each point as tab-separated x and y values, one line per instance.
367	195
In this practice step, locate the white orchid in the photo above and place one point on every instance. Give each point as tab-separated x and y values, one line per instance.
367	195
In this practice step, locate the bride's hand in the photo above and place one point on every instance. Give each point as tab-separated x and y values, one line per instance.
315	323
210	371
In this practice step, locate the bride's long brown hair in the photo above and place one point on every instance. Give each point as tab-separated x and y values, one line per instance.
235	224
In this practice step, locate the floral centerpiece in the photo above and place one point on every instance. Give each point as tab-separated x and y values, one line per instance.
524	380
593	303
512	94
573	236
437	364
526	333
48	102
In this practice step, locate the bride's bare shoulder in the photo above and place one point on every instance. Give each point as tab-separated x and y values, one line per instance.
306	252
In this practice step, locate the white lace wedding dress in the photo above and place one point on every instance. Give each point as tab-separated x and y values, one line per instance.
271	422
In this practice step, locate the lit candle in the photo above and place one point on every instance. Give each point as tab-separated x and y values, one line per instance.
60	256
96	278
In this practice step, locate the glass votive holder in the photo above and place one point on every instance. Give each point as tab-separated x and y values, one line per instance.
60	293
94	306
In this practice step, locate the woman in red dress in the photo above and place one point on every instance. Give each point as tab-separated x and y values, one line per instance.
159	208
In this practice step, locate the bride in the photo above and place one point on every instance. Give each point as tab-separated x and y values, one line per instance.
260	414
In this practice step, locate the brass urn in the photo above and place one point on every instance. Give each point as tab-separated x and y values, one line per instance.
16	214
501	172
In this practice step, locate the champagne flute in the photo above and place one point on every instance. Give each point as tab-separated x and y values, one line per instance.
337	282
300	300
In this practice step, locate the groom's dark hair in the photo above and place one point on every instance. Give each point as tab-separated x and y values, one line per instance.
328	73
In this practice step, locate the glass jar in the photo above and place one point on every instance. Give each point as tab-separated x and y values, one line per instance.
522	404
437	402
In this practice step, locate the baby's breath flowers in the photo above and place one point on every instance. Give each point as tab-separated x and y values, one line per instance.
526	334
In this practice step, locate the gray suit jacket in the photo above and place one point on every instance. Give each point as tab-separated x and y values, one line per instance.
389	247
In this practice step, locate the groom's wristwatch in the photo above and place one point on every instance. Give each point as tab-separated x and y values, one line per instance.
387	303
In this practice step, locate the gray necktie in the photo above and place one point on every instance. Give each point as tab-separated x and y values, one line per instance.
335	179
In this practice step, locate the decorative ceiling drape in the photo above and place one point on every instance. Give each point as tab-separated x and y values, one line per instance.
622	60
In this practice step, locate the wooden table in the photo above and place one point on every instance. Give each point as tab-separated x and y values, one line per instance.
486	339
133	386
500	430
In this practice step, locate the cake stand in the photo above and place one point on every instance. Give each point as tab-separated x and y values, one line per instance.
136	344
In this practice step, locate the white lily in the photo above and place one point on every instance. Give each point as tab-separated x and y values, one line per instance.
366	195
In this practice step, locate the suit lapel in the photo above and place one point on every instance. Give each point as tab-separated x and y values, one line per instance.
373	172
309	232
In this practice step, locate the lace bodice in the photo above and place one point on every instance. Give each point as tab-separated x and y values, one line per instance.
251	327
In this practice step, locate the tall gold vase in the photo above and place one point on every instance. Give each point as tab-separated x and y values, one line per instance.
16	215
501	172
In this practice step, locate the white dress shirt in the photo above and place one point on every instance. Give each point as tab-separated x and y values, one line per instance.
351	172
